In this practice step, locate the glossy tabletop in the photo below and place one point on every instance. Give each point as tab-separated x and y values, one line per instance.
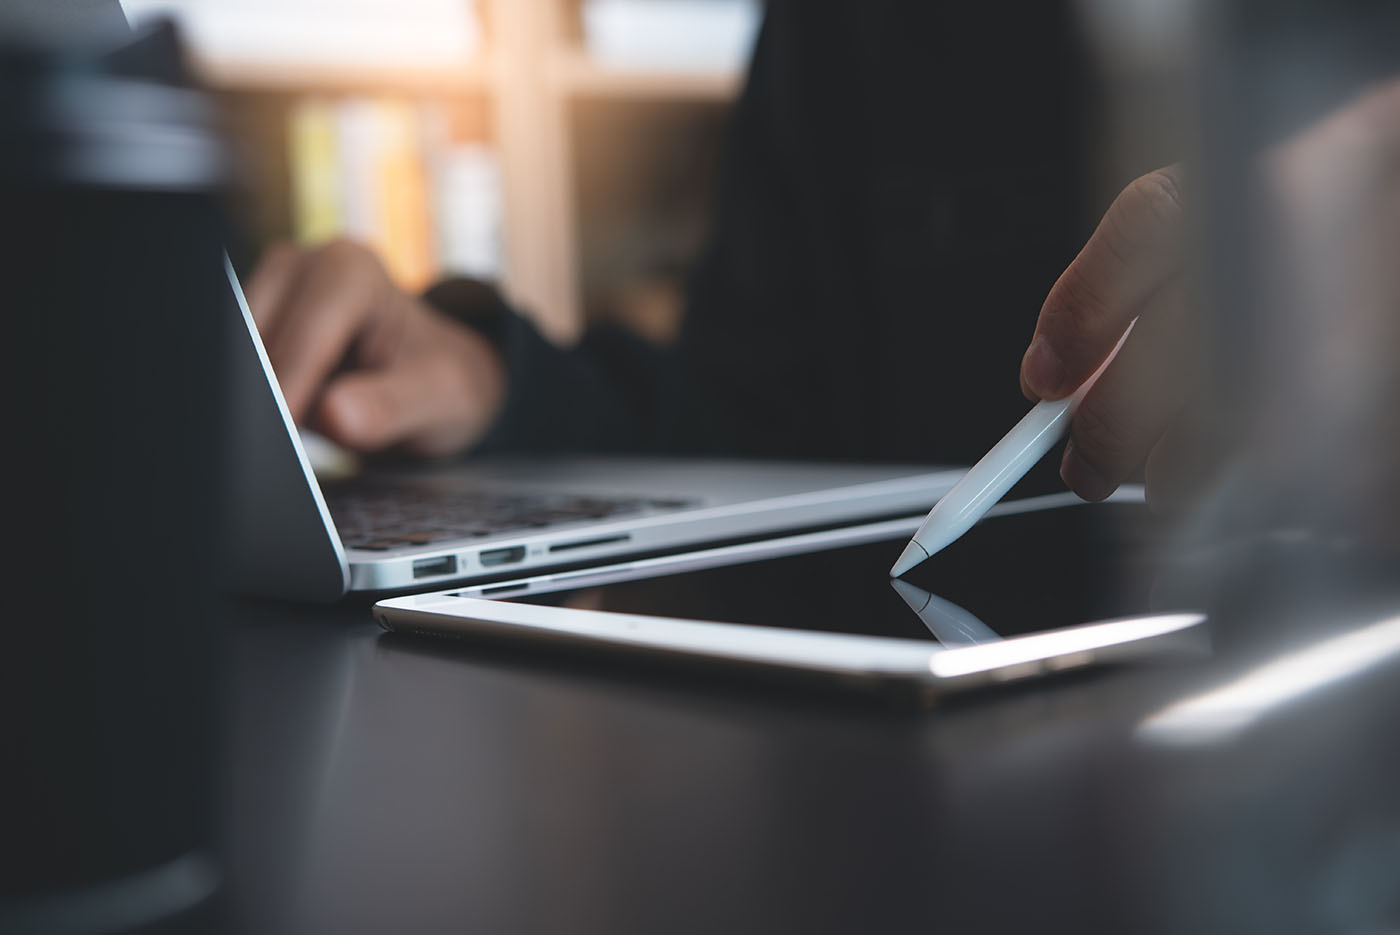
385	783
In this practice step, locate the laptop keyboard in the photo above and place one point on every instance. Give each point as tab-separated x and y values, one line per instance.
378	519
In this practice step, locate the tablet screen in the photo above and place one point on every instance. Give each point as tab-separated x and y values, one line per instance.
1008	576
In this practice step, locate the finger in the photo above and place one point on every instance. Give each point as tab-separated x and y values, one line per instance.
420	402
271	281
1134	250
1126	411
382	334
336	301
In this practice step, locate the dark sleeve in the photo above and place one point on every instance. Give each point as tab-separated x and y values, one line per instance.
612	392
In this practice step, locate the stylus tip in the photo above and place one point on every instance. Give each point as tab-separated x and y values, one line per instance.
917	598
913	554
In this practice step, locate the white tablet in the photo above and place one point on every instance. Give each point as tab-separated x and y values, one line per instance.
1042	586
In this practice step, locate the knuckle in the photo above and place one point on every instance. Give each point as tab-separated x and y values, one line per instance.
1145	212
450	374
1168	185
1103	439
1073	307
283	251
342	249
1158	194
352	258
346	254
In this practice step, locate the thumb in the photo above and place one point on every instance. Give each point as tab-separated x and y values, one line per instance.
432	404
369	410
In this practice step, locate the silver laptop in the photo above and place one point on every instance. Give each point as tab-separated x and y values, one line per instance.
488	518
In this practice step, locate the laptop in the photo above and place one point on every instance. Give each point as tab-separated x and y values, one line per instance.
476	520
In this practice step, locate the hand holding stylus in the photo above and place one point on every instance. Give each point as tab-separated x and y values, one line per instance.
1332	191
990	478
1130	269
1105	364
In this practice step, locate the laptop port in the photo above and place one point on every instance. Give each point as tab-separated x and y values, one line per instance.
507	556
430	567
588	543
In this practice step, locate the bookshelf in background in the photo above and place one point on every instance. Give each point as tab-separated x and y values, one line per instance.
416	180
564	147
415	177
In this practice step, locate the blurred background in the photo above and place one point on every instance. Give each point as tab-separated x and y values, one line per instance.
563	148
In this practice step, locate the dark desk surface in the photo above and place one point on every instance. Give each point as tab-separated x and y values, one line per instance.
389	784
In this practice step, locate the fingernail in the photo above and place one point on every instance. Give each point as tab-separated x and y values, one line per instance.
1043	369
1081	477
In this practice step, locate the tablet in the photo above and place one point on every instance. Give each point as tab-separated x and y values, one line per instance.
1042	586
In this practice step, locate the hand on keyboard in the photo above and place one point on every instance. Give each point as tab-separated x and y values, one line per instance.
366	364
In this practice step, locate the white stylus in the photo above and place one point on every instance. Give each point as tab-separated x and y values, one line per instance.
989	479
951	624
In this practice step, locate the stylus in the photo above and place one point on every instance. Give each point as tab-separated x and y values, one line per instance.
989	479
951	624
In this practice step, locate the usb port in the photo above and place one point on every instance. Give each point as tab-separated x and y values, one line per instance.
508	556
430	567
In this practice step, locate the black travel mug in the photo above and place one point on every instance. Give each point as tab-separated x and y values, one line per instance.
112	400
